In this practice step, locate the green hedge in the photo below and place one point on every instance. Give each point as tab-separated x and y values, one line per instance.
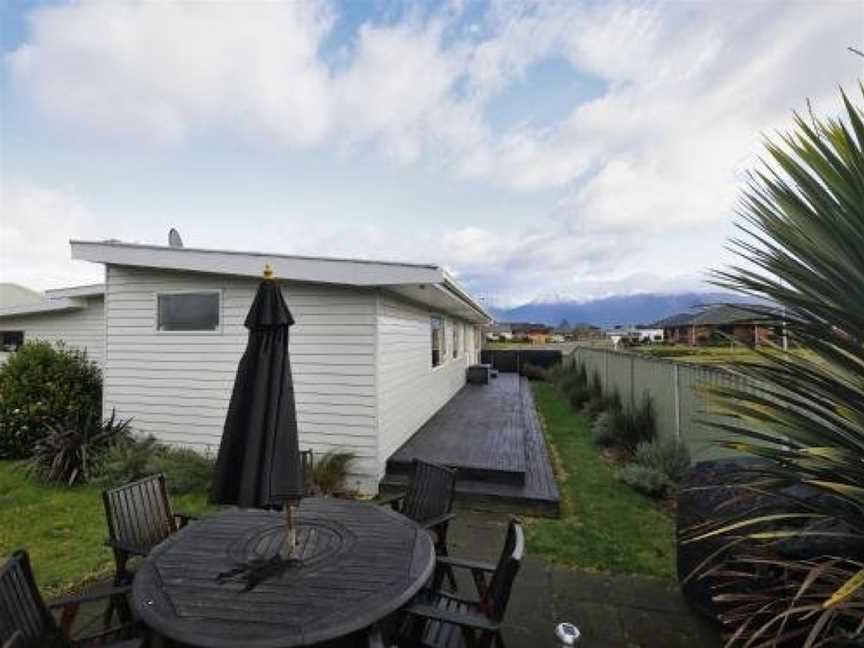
41	385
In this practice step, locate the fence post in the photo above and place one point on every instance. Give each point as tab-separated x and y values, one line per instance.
632	382
676	398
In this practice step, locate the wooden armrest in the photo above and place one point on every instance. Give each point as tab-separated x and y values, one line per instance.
465	619
391	500
128	548
77	599
436	522
462	563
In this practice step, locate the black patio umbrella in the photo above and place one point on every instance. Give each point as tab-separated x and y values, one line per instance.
259	461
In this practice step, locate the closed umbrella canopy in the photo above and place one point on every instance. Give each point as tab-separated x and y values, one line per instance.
259	461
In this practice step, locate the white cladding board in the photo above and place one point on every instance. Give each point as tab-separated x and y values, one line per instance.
80	328
410	390
176	386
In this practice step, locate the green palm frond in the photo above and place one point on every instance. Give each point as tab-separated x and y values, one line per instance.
802	243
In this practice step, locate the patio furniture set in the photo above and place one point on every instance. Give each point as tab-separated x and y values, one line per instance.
361	574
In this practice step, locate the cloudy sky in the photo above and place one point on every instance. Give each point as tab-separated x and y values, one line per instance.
535	149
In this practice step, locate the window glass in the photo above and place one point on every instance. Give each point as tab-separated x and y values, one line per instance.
437	324
189	312
457	329
11	340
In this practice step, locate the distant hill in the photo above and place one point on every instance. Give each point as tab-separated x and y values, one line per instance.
611	311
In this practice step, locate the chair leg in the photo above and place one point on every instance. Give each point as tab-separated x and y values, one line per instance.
441	550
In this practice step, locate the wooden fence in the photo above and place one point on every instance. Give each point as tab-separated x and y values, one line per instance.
681	409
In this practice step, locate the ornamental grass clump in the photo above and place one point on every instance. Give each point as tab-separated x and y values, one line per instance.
795	576
669	455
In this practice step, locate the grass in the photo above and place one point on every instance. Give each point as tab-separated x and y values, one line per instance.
604	524
62	527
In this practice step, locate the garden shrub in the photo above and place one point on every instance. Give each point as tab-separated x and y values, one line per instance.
636	425
579	394
670	456
71	452
533	372
40	386
186	471
648	481
602	432
330	471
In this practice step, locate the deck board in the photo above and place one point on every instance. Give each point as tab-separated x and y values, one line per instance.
492	435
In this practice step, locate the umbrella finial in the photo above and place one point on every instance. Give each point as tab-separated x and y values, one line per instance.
268	271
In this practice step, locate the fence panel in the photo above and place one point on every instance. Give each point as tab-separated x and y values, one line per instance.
682	408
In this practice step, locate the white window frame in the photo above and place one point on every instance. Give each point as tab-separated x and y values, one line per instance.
216	331
442	341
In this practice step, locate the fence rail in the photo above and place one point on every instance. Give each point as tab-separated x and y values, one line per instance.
681	408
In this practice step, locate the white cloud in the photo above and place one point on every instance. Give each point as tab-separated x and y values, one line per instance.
646	173
35	229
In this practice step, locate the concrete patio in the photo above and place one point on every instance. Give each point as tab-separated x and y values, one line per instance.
612	611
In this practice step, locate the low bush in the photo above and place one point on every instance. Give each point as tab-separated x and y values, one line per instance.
636	425
648	481
533	372
602	433
45	387
670	456
330	471
186	471
579	394
72	452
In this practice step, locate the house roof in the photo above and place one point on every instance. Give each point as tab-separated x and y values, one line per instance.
424	283
12	294
679	319
718	316
55	300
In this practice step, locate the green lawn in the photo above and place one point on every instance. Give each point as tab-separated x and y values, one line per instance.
62	528
604	525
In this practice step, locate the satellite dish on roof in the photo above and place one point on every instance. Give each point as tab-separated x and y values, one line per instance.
174	239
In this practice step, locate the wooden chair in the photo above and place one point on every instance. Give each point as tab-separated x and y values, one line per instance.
139	517
428	501
27	622
440	619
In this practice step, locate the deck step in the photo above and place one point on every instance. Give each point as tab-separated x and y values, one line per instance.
405	467
483	496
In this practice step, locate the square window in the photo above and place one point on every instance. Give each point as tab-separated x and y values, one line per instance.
188	311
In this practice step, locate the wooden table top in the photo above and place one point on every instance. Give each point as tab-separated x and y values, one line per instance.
359	563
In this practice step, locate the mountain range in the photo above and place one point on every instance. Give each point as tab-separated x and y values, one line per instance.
643	308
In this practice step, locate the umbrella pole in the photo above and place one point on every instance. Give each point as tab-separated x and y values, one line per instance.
290	541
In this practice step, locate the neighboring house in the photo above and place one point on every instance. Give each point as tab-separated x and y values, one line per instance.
74	316
376	350
530	332
499	332
12	294
750	325
634	335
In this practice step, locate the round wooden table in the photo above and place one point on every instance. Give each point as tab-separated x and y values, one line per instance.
358	563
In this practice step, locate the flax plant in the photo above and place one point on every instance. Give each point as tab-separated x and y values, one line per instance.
792	572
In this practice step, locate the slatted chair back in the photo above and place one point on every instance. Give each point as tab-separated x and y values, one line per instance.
430	493
308	461
497	595
139	513
23	614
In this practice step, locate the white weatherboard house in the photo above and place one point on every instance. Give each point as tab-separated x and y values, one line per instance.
377	347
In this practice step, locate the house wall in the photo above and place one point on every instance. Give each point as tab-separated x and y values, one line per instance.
81	329
177	385
410	390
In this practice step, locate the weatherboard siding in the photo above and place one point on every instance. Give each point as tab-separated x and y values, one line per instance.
410	389
82	329
177	386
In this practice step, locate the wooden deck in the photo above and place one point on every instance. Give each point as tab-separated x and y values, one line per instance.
491	435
